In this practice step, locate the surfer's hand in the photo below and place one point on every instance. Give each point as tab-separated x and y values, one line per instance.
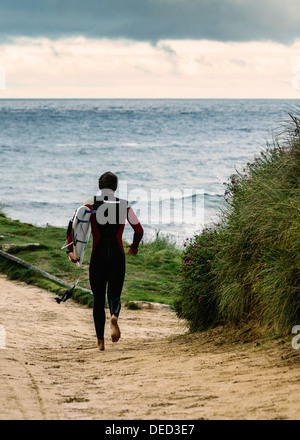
73	258
132	250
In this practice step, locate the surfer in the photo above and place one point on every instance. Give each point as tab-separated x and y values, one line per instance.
107	264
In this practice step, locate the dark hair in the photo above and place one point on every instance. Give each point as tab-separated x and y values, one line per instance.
108	180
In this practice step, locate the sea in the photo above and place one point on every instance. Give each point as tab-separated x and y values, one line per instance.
172	157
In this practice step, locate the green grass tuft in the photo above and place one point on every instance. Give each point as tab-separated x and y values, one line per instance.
149	275
246	269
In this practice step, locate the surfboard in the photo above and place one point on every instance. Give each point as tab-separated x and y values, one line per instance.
81	230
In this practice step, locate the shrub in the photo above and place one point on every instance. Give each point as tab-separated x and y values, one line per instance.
196	301
254	275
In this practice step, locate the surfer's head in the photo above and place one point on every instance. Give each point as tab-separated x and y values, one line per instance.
108	180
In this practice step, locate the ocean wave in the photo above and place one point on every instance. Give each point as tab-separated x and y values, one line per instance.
53	151
192	197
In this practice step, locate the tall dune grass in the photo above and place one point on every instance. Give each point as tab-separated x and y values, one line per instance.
248	271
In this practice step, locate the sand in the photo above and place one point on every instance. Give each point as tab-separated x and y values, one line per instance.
52	370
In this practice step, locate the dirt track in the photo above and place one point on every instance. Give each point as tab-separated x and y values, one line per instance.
51	369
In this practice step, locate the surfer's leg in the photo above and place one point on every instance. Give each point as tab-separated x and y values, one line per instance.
99	315
115	285
116	276
98	286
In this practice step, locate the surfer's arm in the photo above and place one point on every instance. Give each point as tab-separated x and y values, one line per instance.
70	244
70	237
138	230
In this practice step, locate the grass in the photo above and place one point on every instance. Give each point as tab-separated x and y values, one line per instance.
150	275
245	270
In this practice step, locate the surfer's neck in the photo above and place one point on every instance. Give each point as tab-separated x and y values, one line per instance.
107	191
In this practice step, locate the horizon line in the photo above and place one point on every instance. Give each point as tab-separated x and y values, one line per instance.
149	99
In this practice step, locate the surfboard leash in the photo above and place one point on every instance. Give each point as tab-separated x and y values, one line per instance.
68	293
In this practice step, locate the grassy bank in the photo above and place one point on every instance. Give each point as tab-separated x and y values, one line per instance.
149	275
245	270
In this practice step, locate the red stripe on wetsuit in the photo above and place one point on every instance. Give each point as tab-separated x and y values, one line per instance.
132	220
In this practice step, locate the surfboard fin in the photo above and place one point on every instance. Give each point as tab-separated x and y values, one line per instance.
68	293
65	297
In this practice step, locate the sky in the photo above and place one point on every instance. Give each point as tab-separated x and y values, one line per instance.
150	49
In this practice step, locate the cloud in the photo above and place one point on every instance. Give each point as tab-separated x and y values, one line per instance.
103	68
153	20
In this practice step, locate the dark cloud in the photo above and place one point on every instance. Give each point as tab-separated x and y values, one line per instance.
153	20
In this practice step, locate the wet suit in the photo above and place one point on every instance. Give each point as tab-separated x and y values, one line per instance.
107	264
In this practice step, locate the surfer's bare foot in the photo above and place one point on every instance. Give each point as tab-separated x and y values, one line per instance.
100	344
115	330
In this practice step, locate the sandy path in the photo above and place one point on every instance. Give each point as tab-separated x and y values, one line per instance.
51	369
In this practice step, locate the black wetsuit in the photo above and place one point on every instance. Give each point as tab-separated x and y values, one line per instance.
107	265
